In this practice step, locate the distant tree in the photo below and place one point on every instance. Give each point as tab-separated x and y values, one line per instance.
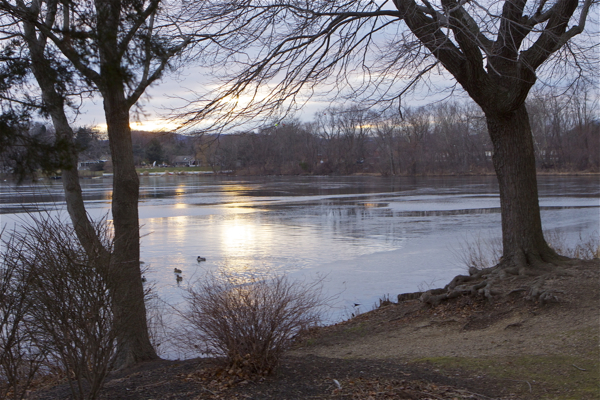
90	144
154	151
460	139
563	129
83	139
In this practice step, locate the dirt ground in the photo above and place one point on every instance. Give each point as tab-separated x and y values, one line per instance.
466	348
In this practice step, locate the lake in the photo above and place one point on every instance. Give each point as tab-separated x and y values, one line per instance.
370	236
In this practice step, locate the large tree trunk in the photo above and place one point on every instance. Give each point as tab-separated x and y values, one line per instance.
133	342
522	238
130	310
525	251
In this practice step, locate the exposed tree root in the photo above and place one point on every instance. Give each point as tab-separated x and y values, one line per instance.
503	279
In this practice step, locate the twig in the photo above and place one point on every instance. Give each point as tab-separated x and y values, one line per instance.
581	369
472	393
209	391
527	382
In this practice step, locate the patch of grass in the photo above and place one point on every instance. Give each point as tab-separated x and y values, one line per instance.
384	301
549	377
89	174
358	330
586	248
173	169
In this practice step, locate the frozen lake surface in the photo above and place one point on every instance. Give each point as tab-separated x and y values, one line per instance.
370	236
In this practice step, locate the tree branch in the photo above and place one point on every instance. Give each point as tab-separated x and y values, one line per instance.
140	20
555	33
430	34
147	81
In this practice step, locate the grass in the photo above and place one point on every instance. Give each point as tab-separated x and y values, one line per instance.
89	174
172	169
359	330
538	376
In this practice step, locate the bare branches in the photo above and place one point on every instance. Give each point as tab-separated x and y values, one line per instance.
19	359
553	36
278	53
146	80
60	308
160	35
250	320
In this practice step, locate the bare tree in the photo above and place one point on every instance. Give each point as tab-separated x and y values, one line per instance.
415	131
344	133
386	133
563	129
460	141
495	51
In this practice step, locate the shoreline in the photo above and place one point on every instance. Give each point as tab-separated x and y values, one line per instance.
463	349
7	178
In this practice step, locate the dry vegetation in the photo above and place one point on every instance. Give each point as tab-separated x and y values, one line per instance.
249	321
57	311
480	252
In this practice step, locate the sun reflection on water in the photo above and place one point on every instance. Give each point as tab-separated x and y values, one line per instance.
241	241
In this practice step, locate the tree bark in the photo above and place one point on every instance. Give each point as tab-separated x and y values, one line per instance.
522	237
133	342
130	310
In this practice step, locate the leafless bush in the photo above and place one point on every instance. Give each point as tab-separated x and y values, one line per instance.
479	252
383	301
19	358
251	321
70	313
156	311
586	248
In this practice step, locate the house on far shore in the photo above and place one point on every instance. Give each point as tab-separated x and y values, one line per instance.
91	165
184	161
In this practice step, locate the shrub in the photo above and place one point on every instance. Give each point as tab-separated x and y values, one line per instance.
479	252
584	249
69	306
20	359
250	321
157	321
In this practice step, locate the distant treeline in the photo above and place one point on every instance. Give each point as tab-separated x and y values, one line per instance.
442	138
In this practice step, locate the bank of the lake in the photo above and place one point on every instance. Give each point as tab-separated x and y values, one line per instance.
463	349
